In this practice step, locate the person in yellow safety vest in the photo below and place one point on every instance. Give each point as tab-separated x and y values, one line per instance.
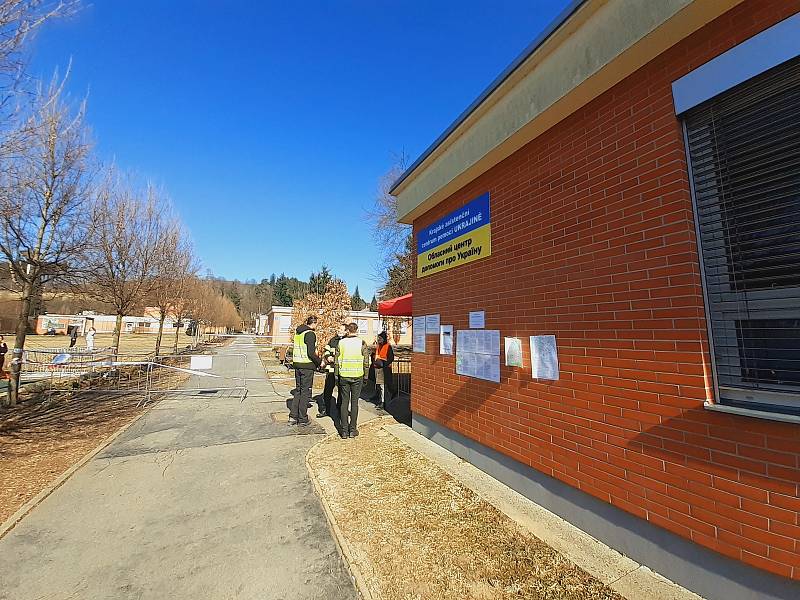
327	407
305	362
352	357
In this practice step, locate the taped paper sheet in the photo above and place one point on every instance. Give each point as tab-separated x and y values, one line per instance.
544	357
477	319
446	340
513	352
418	334
478	354
432	324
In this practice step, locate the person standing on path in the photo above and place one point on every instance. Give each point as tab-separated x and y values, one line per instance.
326	405
3	352
90	339
73	337
305	362
353	361
381	369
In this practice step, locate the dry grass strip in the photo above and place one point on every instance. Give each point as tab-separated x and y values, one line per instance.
417	533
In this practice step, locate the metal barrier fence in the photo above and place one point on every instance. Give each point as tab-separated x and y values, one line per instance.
199	375
58	363
103	372
244	339
401	370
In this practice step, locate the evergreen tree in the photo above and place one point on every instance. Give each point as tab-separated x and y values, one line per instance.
373	306
264	294
281	295
297	289
318	282
400	273
233	295
357	302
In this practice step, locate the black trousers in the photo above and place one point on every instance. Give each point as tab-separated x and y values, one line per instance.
304	378
349	391
326	403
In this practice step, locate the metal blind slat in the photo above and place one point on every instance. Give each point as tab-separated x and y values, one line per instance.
744	151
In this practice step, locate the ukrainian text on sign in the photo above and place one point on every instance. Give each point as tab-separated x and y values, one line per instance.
458	238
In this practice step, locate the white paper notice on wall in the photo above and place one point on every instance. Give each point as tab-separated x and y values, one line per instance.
446	340
432	324
201	362
477	319
513	352
478	354
418	334
544	357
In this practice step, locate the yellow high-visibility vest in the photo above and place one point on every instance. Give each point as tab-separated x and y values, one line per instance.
351	360
300	349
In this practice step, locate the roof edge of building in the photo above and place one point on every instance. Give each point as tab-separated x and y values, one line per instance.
554	25
578	58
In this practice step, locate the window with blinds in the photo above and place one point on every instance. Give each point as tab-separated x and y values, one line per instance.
744	151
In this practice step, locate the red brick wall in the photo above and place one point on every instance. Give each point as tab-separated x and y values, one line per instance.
593	241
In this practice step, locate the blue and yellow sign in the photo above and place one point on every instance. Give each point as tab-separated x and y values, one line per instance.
463	236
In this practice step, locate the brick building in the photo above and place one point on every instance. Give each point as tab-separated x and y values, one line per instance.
624	134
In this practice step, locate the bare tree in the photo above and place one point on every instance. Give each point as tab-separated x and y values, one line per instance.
389	234
44	195
211	308
125	247
175	267
183	307
19	19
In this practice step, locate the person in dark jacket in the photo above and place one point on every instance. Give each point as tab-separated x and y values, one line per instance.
325	403
3	352
305	362
73	337
381	370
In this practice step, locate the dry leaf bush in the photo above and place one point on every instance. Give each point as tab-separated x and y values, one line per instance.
331	309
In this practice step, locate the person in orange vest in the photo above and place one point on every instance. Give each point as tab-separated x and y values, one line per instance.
381	370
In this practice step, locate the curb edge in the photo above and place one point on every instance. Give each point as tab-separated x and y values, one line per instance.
341	543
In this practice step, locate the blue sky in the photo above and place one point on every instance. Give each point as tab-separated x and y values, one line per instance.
266	119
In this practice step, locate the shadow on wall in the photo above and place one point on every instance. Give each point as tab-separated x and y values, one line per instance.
466	401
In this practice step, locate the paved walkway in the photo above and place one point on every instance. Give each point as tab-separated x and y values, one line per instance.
203	498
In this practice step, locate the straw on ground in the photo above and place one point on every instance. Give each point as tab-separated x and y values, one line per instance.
417	533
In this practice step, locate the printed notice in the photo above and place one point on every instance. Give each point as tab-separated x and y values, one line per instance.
200	362
432	324
544	357
446	340
418	334
513	352
478	354
477	319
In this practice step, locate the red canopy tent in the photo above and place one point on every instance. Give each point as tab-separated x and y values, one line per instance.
396	307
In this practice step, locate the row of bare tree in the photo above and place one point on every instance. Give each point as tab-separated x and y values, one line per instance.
67	222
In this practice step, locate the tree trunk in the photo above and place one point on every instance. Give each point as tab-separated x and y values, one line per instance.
160	333
177	333
117	333
19	344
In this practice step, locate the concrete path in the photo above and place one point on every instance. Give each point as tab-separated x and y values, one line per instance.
203	498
